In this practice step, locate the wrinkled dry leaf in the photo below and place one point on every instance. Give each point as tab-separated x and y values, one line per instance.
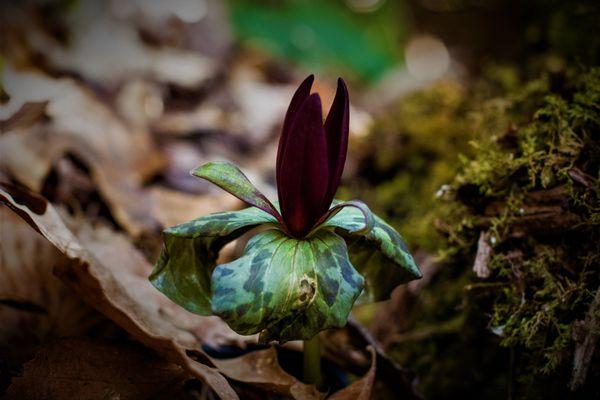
361	389
34	305
129	270
98	275
262	369
119	158
91	369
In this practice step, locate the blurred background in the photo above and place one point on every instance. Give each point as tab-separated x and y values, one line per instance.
474	132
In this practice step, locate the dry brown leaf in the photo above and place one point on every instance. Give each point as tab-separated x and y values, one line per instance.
97	274
34	305
261	368
361	389
140	102
128	272
119	157
91	369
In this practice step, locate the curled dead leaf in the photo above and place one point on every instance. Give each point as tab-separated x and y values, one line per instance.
360	389
346	348
97	271
261	368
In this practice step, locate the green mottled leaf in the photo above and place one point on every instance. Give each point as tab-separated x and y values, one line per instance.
187	259
229	178
361	221
380	254
287	288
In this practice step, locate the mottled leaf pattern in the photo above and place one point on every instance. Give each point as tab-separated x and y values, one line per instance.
287	288
380	255
229	178
187	259
354	222
282	287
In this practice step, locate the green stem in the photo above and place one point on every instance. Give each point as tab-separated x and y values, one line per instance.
312	361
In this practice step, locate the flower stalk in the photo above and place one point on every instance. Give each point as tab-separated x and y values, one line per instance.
312	362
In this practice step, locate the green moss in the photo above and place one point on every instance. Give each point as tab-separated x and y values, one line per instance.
546	265
519	160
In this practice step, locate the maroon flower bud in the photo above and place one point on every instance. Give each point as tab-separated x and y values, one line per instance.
311	157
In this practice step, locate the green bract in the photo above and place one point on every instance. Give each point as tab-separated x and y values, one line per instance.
281	287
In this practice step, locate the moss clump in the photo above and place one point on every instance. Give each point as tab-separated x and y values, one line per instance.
519	162
533	189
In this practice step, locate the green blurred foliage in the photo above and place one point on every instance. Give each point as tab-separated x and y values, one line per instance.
325	35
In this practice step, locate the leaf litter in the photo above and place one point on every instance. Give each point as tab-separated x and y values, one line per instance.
83	155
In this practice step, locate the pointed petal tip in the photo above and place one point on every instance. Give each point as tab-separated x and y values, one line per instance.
341	86
314	98
311	106
306	85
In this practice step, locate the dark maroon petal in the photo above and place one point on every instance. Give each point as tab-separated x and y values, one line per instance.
301	94
337	128
304	172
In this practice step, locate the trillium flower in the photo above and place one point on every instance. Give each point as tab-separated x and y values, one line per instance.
311	157
318	257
